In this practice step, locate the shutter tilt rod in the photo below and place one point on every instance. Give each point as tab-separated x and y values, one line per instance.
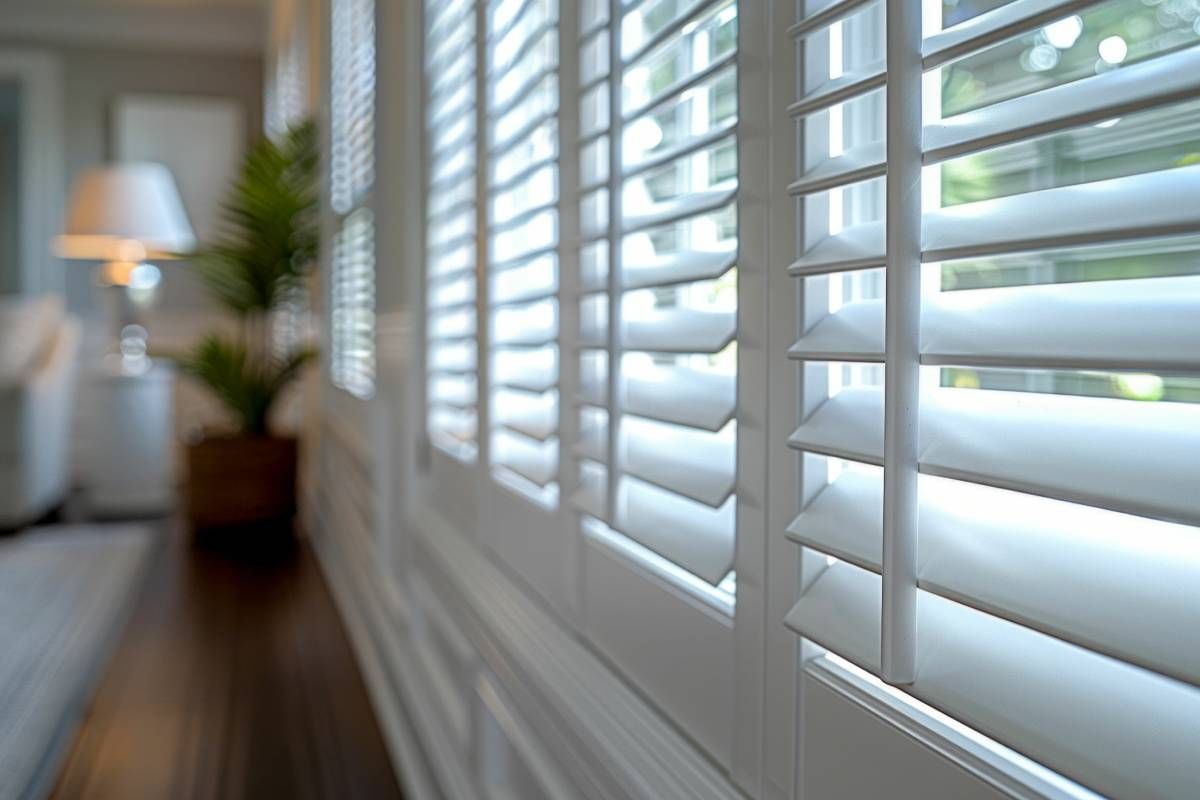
615	76
902	358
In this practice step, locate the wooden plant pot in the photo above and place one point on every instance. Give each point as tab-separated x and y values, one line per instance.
240	480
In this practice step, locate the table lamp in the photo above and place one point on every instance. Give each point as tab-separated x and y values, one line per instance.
122	215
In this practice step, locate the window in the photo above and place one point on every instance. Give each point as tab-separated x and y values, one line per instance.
451	220
1000	280
352	176
659	280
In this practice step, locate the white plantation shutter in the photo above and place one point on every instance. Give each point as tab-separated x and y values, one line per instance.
450	235
657	452
522	263
351	178
1009	422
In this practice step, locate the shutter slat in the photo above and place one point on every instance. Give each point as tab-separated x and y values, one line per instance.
524	48
1158	81
1037	443
688	146
842	427
857	247
673	269
534	423
852	333
1142	324
457	426
523	91
1119	585
441	14
703	400
1083	715
854	83
695	464
1139	206
451	392
828	14
535	381
525	295
681	330
499	146
698	538
990	27
679	267
840	611
681	86
534	468
679	208
670	30
858	164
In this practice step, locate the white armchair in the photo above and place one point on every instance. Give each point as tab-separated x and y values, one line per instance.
39	346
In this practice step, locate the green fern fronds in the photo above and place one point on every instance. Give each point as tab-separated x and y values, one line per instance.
267	243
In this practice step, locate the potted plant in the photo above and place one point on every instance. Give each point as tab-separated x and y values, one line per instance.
256	264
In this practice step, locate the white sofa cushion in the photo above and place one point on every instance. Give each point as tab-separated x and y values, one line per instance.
28	326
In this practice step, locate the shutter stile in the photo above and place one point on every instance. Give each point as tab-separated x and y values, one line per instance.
1058	558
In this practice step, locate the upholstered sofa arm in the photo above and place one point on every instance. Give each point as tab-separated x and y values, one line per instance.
35	431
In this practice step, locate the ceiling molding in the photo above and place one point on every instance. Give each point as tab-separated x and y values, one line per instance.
221	29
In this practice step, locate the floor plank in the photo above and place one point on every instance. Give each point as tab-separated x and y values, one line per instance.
234	679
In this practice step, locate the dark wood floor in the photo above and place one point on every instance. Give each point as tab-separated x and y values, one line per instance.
234	679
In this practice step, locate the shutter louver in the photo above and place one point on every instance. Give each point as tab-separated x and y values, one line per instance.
351	178
658	315
522	215
1057	556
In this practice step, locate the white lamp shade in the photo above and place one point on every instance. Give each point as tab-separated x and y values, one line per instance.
125	212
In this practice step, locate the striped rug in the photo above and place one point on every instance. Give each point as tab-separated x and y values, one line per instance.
64	593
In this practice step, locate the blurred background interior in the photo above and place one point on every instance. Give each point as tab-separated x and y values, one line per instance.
158	233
